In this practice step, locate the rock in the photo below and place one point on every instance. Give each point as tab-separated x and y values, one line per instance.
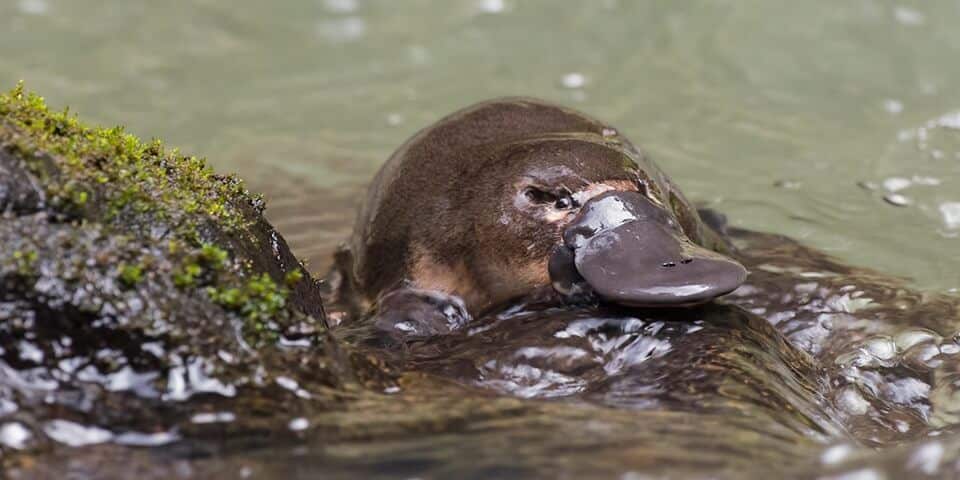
139	289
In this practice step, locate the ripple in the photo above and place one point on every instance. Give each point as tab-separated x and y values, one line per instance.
14	435
75	434
34	7
342	30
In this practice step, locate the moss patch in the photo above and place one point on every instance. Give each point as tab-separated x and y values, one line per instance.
150	193
144	177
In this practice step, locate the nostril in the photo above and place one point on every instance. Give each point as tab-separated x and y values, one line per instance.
668	264
686	261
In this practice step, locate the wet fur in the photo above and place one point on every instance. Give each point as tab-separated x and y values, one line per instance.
440	214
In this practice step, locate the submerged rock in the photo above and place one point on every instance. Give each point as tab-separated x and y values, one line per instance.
144	298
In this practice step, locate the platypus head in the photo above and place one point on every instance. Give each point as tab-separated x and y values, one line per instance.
510	196
604	227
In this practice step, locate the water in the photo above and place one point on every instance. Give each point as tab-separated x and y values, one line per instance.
835	124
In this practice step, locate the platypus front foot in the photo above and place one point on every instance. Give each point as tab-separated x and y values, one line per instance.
415	313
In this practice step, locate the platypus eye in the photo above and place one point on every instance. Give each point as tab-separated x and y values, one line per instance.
536	195
564	202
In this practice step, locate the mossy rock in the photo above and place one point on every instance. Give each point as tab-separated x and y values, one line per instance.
139	289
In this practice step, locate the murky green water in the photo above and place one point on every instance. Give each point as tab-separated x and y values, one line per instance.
791	117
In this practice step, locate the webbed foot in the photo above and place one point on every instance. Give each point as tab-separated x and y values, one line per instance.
415	313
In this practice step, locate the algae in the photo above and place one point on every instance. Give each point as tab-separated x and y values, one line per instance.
114	178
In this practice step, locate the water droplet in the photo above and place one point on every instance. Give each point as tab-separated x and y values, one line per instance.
950	211
183	382
342	30
908	16
861	474
926	458
213	417
851	401
787	184
340	6
7	407
950	120
608	132
923	356
74	434
287	382
897	200
845	303
880	347
892	106
949	349
836	454
928	181
906	391
34	7
418	55
492	6
138	439
293	386
895	184
30	352
909	338
298	424
226	356
14	435
394	119
901	426
573	80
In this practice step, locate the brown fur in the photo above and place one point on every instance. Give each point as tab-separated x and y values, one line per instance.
443	211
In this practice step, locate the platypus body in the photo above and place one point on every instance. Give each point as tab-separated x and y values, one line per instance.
517	197
549	236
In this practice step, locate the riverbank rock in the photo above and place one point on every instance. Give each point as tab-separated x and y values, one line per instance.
144	298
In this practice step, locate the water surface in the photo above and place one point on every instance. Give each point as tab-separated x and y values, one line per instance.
837	124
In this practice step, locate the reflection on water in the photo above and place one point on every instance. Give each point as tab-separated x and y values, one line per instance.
836	124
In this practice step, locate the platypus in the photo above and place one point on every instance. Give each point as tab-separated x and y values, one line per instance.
516	197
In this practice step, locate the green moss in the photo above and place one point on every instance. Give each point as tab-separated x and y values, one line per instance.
146	191
186	276
131	275
293	277
213	256
259	301
25	261
201	266
143	177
